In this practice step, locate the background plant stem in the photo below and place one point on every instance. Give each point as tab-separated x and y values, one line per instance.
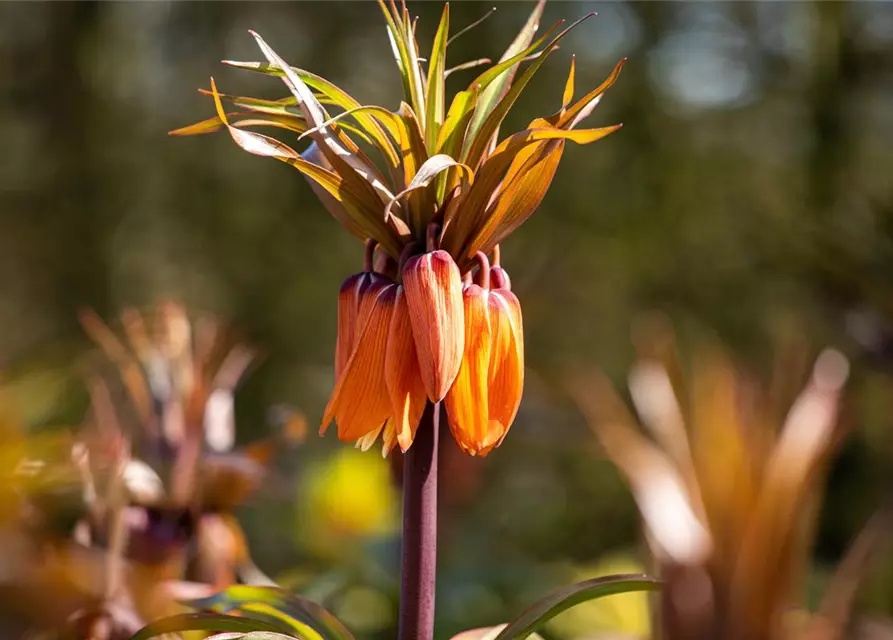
419	542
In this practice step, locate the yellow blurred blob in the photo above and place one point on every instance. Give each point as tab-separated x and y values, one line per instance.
344	499
625	614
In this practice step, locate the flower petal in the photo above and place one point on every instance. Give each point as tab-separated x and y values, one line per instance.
354	291
364	443
360	402
506	375
402	375
434	298
388	437
348	312
466	402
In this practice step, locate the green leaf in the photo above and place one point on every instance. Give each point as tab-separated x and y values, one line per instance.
565	598
434	97
471	64
415	154
389	120
403	44
365	220
332	93
254	635
431	169
361	175
205	622
260	105
478	144
248	119
502	74
487	633
300	614
452	134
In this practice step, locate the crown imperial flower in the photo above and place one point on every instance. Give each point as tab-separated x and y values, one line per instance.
430	320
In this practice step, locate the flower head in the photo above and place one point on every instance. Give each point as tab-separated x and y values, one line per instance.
445	191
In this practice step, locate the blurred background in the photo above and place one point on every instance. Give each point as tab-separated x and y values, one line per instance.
748	197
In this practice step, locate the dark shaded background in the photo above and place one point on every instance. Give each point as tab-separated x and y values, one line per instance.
749	196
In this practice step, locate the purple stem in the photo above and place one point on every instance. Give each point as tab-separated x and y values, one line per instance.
419	563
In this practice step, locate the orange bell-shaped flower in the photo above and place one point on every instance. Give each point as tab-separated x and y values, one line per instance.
506	375
402	374
484	399
360	403
467	401
434	299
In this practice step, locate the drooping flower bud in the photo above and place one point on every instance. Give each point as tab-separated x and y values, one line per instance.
499	278
360	402
433	289
484	399
348	312
466	402
353	291
506	375
402	374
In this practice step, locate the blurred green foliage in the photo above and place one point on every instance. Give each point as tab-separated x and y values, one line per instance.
748	194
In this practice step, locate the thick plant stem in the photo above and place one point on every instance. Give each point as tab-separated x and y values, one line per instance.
419	559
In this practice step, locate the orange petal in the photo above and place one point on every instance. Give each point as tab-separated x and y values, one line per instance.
434	297
364	443
348	308
388	437
402	375
388	433
360	402
506	375
466	402
353	292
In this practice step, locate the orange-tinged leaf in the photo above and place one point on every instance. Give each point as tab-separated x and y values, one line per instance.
365	220
494	82
434	166
279	107
353	168
472	207
402	375
663	497
471	64
479	139
506	375
415	154
360	402
131	372
569	85
328	93
577	111
211	125
520	197
466	402
330	201
433	289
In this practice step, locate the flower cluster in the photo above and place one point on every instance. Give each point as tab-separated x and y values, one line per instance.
429	338
428	320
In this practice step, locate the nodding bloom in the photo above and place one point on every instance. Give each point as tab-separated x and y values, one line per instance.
428	319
